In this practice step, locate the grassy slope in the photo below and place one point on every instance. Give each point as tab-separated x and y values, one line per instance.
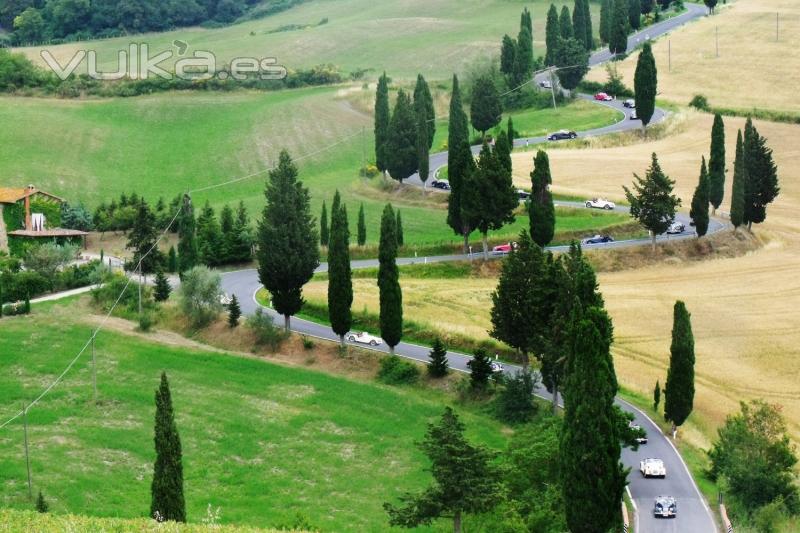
261	441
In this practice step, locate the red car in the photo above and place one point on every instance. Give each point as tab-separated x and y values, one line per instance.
504	248
603	97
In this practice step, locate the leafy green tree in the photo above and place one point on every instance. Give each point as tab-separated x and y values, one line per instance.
340	282
761	182
523	60
716	163
645	85
480	367
756	458
167	501
620	27
502	148
391	295
606	16
587	13
187	243
699	210
552	34
41	504
508	54
324	232
199	294
542	210
652	202
234	312
579	22
738	186
142	239
635	14
679	389
29	26
382	118
572	61
515	403
465	480
287	253
656	396
460	166
162	288
485	108
402	158
565	24
438	365
398	226
362	227
209	237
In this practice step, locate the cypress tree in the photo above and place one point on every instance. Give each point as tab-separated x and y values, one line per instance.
41	504
424	116
362	226
511	134
635	14
399	229
167	502
761	183
653	203
552	33
525	20
460	165
620	27
737	192
422	94
226	226
391	296
382	117
401	157
716	163
288	252
324	233
579	23
508	55
587	14
241	248
699	209
645	85
142	240
234	312
656	396
606	15
172	260
542	210
485	108
523	67
647	6
340	283
209	237
162	288
502	148
679	389
438	366
565	24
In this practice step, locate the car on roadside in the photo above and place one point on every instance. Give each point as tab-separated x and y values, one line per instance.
651	467
665	507
642	436
523	194
441	184
633	115
561	135
545	84
603	97
676	228
600	203
364	338
504	249
597	239
497	366
630	103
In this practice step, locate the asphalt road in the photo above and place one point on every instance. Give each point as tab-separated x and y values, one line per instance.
694	515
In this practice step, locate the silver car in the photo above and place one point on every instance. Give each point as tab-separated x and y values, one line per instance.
665	507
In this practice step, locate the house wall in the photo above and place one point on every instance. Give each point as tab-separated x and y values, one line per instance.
3	233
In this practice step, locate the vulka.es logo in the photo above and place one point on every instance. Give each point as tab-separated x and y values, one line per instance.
136	63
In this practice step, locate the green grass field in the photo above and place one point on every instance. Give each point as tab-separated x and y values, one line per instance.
261	441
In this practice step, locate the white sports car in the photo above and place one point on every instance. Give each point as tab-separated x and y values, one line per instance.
652	468
364	338
600	203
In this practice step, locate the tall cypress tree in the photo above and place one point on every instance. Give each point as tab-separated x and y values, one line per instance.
508	55
362	226
511	134
288	252
579	22
209	237
167	501
340	283
716	163
635	14
524	58
391	296
542	210
227	227
679	389
242	245
398	227
460	165
656	396
502	148
761	183
606	15
737	192
552	33
187	245
526	21
426	126
234	312
699	209
401	158
620	27
422	94
645	85
382	117
565	24
324	232
587	14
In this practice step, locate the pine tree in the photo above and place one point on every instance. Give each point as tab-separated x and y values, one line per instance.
324	233
41	504
226	226
162	288
382	117
142	240
716	163
542	211
587	14
401	144
738	186
645	85
167	502
508	55
635	14
679	389
391	296
699	209
425	120
480	370
485	108
209	237
502	148
565	24
606	15
552	34
573	62
362	227
288	252
398	227
234	312
460	165
579	22
172	260
653	203
241	248
761	183
620	27
656	396
438	365
340	283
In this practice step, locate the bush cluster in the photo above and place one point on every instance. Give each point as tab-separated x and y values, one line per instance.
266	332
396	371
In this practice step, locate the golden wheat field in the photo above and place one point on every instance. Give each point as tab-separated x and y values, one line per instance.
753	70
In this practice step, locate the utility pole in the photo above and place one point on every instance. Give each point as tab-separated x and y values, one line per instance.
669	53
364	149
716	33
553	88
94	370
27	456
777	27
140	287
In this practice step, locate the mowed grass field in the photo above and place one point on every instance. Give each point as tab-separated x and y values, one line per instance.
261	441
403	37
753	70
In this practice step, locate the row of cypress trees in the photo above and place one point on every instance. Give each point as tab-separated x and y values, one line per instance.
361	229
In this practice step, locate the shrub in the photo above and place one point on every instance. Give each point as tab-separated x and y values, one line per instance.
515	403
767	518
199	296
369	171
126	292
266	332
396	371
41	504
308	343
48	258
699	102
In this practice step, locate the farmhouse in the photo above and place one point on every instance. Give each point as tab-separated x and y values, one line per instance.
28	214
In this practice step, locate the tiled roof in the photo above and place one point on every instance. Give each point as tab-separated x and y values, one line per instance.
10	195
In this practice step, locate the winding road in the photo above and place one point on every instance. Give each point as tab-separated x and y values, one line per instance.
694	515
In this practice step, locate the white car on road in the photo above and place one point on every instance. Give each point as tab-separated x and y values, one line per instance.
652	468
600	203
364	338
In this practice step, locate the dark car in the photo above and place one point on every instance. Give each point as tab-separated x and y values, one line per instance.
561	135
441	184
598	239
665	507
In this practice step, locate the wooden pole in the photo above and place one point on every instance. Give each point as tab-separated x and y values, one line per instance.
94	372
140	287
27	455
